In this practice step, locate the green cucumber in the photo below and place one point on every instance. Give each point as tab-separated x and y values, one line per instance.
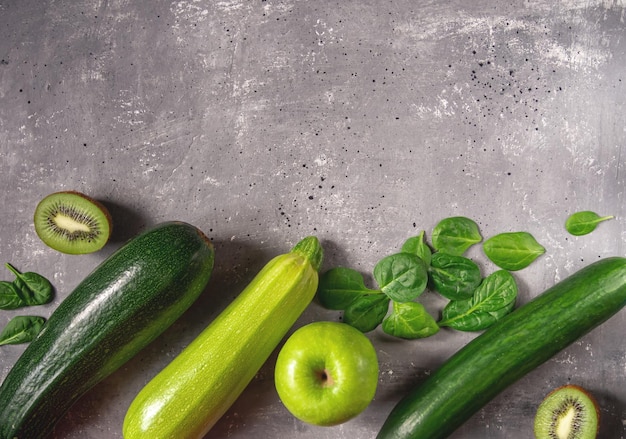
508	350
192	393
119	308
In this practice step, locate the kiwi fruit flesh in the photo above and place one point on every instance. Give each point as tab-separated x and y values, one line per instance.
568	412
72	222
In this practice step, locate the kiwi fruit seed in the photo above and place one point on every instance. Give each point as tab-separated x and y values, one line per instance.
72	222
568	412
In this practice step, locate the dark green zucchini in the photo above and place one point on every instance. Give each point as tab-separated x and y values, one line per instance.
508	350
128	300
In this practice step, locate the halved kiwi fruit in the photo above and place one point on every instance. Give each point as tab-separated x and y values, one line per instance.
568	412
72	222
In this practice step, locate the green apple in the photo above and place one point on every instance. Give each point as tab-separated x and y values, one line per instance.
326	373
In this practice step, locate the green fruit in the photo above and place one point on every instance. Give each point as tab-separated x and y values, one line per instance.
124	304
326	373
73	223
568	412
193	392
508	350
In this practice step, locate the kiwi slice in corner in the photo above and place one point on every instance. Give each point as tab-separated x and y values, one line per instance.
72	222
568	412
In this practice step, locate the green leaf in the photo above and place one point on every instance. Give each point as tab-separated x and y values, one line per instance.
339	287
494	298
401	276
33	288
513	251
21	329
367	312
455	235
9	296
584	222
410	320
417	245
454	277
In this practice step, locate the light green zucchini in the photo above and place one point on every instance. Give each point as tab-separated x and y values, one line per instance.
192	393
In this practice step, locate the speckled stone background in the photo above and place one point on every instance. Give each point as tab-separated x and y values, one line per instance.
362	122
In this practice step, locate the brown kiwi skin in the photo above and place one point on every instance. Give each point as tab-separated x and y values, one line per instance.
581	390
95	202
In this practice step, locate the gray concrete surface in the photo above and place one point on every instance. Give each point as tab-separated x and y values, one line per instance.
362	122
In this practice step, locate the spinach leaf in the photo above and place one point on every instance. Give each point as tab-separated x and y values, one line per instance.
339	287
410	320
21	329
401	276
494	298
584	222
454	277
513	251
417	245
367	312
9	296
33	288
455	235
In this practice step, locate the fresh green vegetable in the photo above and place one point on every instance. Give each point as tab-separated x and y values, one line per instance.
189	396
404	277
492	300
27	289
584	222
508	350
513	250
340	286
367	311
10	296
410	320
32	288
475	303
401	276
124	304
454	277
417	245
21	329
455	235
344	289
